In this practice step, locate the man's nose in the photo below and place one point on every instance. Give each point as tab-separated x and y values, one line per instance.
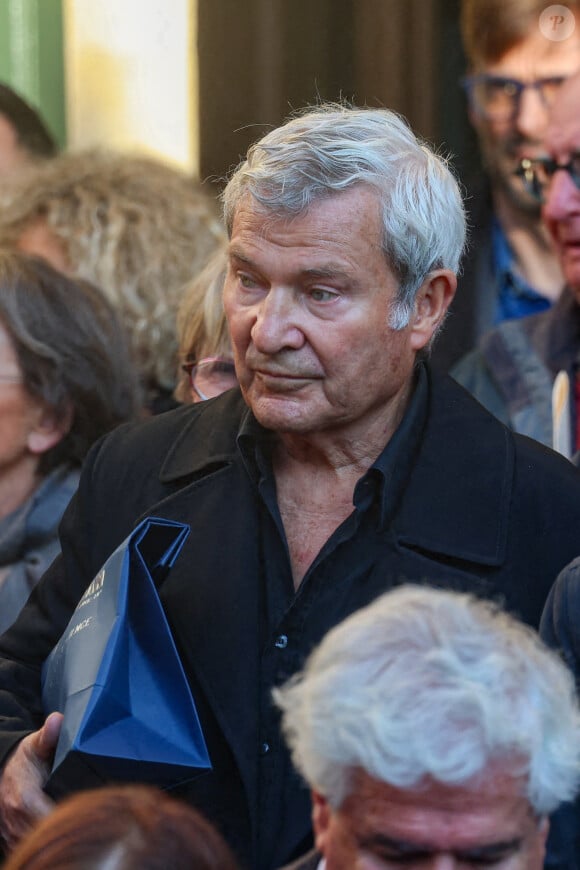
277	323
562	197
443	862
532	115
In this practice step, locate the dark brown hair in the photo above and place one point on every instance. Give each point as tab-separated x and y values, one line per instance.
132	827
32	134
490	28
72	352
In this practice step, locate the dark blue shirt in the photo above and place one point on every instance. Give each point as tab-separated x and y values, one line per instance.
348	572
516	297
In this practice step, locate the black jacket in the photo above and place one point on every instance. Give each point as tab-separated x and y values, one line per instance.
481	509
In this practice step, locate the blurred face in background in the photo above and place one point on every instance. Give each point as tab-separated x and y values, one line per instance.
561	210
210	377
511	119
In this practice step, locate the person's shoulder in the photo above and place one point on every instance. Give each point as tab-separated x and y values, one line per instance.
144	444
536	457
532	459
466	388
475	374
223	412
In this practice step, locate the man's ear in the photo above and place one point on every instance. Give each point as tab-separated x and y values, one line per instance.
433	299
321	815
49	428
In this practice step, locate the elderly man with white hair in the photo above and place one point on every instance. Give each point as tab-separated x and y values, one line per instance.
341	465
435	732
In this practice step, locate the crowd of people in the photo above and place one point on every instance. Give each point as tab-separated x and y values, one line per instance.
377	605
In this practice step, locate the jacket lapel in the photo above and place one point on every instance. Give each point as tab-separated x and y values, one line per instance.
216	628
456	502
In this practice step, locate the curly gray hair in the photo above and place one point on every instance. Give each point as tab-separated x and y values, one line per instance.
134	226
431	683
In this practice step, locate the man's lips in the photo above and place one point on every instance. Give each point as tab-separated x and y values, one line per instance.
568	238
285	376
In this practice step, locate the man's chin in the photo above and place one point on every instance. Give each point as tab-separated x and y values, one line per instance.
280	412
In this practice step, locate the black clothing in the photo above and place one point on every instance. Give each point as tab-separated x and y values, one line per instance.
455	499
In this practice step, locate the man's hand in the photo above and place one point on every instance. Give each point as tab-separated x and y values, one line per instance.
22	800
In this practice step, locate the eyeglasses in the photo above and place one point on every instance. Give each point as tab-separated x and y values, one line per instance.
211	376
536	174
497	98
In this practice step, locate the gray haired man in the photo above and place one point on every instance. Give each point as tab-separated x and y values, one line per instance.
435	732
341	465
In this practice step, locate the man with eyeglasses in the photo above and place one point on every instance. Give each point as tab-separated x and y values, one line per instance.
516	68
527	372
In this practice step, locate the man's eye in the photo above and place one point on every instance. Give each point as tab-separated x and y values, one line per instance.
319	294
246	280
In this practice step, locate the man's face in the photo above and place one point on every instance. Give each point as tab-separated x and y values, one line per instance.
504	142
436	827
308	301
561	210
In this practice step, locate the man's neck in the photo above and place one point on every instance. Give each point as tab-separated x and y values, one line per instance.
343	451
316	475
529	240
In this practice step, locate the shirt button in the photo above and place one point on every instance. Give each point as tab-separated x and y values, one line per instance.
265	748
281	641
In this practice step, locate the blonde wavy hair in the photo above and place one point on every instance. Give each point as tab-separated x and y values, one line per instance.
135	226
202	330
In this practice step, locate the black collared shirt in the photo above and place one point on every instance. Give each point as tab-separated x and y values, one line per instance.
346	574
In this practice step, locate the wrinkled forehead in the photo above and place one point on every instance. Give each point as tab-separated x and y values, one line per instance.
334	203
491	808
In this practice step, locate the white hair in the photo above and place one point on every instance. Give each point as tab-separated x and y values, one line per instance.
432	683
332	148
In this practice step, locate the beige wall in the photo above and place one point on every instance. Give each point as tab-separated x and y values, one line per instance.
131	76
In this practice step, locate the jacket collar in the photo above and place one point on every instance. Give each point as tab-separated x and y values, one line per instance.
454	502
208	439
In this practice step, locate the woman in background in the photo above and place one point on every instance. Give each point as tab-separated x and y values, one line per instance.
66	378
207	364
134	226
